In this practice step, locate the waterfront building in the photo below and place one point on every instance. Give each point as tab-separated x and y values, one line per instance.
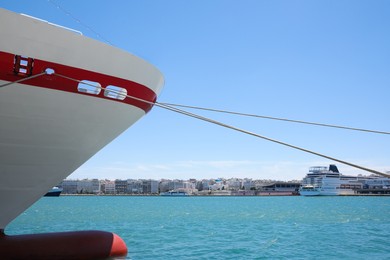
109	187
279	188
248	184
163	186
96	188
69	186
189	187
205	184
177	184
199	186
234	184
149	187
120	186
193	181
134	186
376	182
218	185
87	186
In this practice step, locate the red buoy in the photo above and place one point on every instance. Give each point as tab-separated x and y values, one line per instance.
63	245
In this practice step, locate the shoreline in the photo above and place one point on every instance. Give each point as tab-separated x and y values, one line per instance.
271	195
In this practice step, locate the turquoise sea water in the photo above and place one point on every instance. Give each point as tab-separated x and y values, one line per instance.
224	227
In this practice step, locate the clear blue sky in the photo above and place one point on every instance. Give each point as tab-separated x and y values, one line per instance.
322	61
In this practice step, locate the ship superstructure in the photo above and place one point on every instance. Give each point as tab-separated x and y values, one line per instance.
328	181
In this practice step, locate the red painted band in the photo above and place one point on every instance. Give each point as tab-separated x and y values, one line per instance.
56	82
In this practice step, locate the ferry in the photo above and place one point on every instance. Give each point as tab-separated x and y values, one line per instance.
54	192
63	97
328	182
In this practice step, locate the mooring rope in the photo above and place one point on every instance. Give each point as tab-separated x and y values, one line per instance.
237	113
209	120
270	139
23	79
278	118
171	108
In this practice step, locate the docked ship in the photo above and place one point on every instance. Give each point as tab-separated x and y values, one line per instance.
54	192
326	181
63	97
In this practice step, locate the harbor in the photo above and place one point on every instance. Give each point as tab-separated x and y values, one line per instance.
198	130
319	181
204	227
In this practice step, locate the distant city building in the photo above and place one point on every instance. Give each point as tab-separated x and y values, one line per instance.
205	184
134	187
217	185
223	187
164	186
248	184
96	188
85	186
69	186
109	187
150	187
120	186
279	188
234	184
199	185
377	183
176	184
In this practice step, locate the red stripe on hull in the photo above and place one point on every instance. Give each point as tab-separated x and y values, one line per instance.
56	82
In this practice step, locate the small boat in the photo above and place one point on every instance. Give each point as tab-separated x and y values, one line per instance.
54	192
309	190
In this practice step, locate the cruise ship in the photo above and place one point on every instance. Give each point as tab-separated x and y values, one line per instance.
63	97
328	181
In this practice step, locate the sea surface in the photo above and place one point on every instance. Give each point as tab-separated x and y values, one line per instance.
224	227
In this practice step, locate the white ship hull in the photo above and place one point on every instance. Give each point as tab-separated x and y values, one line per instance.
326	192
309	191
330	192
49	127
